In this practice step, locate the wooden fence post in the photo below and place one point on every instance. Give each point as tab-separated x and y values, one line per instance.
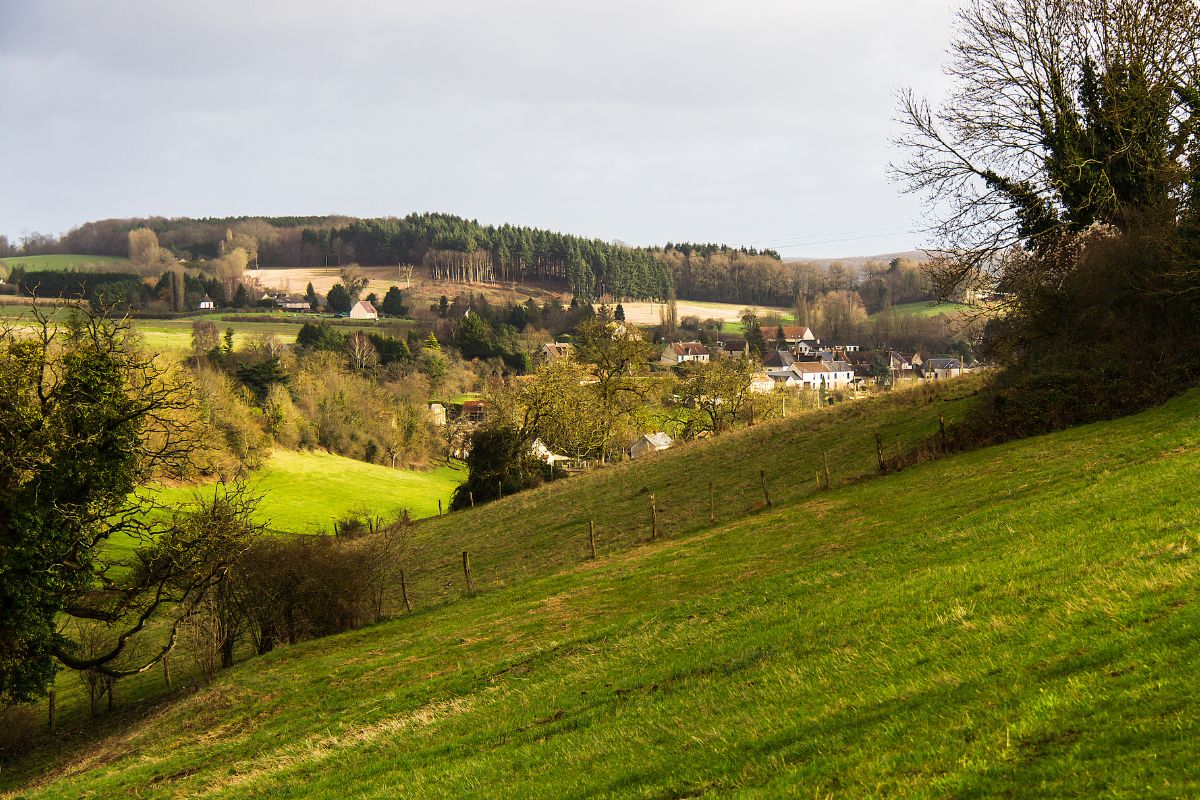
467	572
53	717
762	475
499	490
167	670
653	518
404	593
712	504
879	452
439	507
471	495
592	537
825	461
942	430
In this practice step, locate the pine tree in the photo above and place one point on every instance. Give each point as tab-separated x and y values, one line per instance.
619	314
310	294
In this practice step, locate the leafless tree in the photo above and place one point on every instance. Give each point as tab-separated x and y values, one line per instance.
1065	114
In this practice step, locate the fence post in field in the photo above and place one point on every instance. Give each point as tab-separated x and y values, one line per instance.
51	703
942	430
817	473
467	572
825	461
653	518
592	537
439	506
167	670
499	490
404	593
879	452
471	496
762	475
712	504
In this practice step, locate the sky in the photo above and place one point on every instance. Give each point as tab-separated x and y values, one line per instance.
763	123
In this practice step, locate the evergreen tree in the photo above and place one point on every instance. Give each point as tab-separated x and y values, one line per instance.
241	298
619	314
311	295
393	303
338	299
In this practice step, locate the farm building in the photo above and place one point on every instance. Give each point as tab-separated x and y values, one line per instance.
363	310
680	352
650	443
206	302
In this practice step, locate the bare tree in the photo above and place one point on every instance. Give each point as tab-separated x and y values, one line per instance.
1065	114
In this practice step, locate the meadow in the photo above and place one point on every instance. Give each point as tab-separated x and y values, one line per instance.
306	492
924	308
64	261
1017	621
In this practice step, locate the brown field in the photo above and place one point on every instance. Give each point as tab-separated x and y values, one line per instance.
422	291
419	292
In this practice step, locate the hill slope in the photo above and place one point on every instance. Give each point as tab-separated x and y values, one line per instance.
1018	621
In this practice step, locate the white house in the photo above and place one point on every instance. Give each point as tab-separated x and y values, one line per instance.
762	383
437	414
206	302
363	310
815	374
679	352
650	443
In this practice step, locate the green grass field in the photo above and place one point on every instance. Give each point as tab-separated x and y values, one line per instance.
1015	622
175	335
305	492
925	309
64	261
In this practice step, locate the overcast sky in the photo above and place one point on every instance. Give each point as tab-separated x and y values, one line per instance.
741	122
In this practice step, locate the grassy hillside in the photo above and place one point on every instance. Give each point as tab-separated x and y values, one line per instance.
64	261
925	309
1019	621
303	492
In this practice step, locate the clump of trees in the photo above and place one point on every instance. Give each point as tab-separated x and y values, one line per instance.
85	419
1062	179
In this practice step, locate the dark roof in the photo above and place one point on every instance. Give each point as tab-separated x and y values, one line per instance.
778	358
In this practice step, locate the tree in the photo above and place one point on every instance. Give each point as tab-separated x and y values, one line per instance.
320	336
619	314
339	299
310	294
241	298
354	280
475	337
718	390
205	338
86	418
443	306
143	247
754	335
499	460
393	303
1063	181
1064	115
617	359
361	351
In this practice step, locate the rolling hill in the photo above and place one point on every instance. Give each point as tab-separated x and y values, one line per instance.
1017	621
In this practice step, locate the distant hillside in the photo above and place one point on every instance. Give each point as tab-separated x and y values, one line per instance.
1018	622
857	262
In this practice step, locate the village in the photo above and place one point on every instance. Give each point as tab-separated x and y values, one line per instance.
796	366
